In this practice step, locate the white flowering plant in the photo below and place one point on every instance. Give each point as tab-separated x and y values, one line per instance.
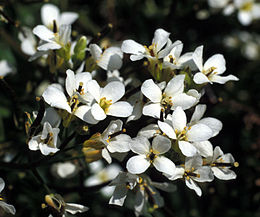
111	124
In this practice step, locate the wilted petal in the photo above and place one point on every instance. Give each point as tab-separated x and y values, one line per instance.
223	173
193	185
223	79
74	208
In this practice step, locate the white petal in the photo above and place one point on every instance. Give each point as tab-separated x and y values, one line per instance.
95	51
34	143
149	131
70	82
205	174
68	18
132	47
43	33
84	113
200	78
106	155
161	144
167	129
140	145
8	207
64	33
46	150
74	208
137	164
197	57
139	202
193	185
204	148
119	195
223	79
94	89
175	85
164	165
214	124
178	173
97	112
198	113
49	46
2	184
193	162
224	173
113	91
111	59
184	101
187	148
120	109
244	17
199	133
217	61
179	119
160	38
120	143
28	47
56	98
151	91
217	153
49	12
152	109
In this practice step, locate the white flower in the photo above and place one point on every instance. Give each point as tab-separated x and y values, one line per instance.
5	68
123	182
248	11
57	204
77	89
107	100
106	174
214	124
172	96
64	170
110	141
148	155
109	59
154	51
50	12
136	100
211	70
46	142
174	60
186	135
218	3
28	41
52	40
193	172
221	163
7	207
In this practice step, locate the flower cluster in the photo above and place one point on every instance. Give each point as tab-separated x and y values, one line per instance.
139	123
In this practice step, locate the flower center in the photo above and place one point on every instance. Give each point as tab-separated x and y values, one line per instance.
182	135
190	173
172	60
247	6
74	102
209	71
80	90
152	155
166	102
105	104
151	50
49	140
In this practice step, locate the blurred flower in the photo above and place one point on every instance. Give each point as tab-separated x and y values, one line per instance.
7	207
